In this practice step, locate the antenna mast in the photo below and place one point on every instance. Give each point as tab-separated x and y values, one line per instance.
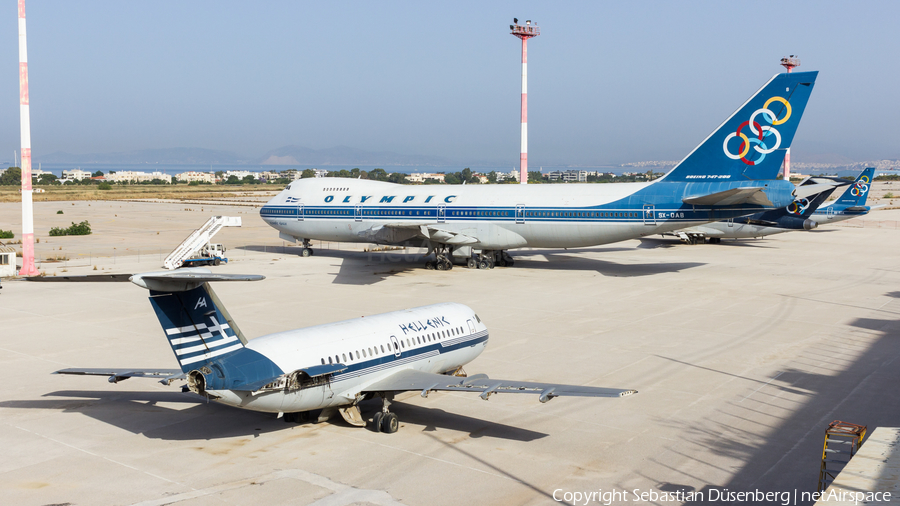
28	268
524	32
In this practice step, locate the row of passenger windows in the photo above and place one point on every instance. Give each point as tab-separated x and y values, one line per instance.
583	214
407	342
280	211
330	189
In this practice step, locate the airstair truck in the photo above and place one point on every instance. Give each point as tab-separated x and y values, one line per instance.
209	254
197	250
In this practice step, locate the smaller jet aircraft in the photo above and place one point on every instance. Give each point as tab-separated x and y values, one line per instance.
796	216
802	214
851	204
328	367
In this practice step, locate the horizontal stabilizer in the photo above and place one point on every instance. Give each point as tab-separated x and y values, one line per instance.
734	196
412	380
808	190
116	375
183	280
93	278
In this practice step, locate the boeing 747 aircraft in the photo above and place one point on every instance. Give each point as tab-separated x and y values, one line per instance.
329	367
730	174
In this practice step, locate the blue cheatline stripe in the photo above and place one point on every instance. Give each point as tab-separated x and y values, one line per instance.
390	361
593	214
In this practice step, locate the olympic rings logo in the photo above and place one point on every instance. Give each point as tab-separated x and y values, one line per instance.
861	187
760	134
798	207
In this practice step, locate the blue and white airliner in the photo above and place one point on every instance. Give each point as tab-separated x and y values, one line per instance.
802	214
731	173
851	204
327	367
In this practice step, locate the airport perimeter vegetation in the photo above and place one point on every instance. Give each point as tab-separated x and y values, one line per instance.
50	190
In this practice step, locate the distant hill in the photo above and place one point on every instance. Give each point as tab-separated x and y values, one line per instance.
343	155
180	156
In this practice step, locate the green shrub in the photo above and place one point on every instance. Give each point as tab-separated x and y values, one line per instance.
888	195
6	234
59	212
104	186
83	228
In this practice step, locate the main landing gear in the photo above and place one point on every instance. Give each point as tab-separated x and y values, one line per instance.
384	420
442	259
307	249
487	259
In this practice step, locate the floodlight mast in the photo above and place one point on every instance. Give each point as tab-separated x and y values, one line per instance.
788	63
524	33
28	268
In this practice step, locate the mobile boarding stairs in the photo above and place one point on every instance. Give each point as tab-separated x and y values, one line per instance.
198	239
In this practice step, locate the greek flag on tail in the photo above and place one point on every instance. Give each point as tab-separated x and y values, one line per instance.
194	325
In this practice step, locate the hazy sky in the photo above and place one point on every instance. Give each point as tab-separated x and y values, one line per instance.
609	82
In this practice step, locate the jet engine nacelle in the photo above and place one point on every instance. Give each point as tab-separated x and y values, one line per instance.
196	382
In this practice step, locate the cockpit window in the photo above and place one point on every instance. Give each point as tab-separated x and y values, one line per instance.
288	187
477	318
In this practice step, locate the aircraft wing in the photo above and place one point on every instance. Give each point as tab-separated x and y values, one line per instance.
734	196
412	380
399	232
165	376
762	223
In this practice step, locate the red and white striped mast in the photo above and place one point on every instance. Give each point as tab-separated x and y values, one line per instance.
789	63
524	32
28	268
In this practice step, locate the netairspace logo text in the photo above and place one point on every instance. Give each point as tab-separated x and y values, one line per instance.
724	495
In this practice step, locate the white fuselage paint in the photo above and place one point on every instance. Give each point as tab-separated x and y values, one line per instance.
828	214
436	339
491	234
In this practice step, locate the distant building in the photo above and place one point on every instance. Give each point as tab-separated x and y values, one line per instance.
74	175
200	177
130	176
240	174
320	172
36	173
569	176
420	177
7	261
503	176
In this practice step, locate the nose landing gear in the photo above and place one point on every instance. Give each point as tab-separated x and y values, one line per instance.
307	249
